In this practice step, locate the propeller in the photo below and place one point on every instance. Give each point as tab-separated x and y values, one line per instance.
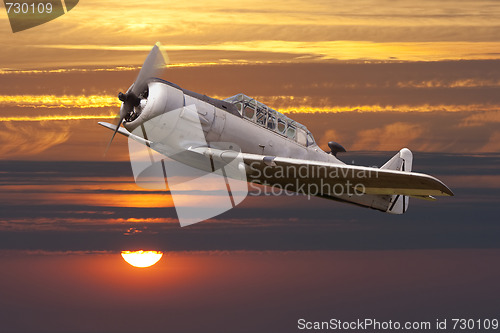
152	67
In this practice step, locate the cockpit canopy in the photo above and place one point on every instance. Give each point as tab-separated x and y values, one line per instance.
264	116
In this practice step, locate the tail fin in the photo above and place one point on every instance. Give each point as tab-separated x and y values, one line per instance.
402	161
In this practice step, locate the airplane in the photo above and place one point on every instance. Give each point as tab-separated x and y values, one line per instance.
269	148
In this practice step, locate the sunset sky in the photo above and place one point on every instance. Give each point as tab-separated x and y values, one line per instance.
375	76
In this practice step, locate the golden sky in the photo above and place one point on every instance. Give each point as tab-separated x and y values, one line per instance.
112	32
383	74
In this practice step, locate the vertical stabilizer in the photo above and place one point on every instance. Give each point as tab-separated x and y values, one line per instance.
402	161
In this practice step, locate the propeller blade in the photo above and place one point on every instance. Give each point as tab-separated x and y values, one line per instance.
152	67
155	62
114	133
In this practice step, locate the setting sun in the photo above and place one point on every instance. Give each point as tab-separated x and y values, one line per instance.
142	258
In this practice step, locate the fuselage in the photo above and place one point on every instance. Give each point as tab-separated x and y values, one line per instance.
183	121
229	121
240	138
254	127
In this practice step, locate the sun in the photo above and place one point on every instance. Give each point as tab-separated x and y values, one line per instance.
142	258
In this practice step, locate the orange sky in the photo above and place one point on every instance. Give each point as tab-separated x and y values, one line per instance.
374	76
300	57
239	291
114	33
427	106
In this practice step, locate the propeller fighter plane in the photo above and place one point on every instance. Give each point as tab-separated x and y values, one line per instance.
269	147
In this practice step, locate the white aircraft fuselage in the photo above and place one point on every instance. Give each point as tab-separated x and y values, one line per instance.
223	122
269	139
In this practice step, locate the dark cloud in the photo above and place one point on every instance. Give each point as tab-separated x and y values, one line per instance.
259	223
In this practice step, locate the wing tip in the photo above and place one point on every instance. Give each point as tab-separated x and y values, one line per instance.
447	191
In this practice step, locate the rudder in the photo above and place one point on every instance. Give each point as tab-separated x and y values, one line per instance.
402	161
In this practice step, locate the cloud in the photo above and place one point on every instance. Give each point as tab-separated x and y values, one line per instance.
324	50
493	145
330	135
390	137
55	118
454	83
30	139
482	118
54	101
270	31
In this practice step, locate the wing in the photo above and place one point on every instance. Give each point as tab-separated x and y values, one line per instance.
382	189
283	171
